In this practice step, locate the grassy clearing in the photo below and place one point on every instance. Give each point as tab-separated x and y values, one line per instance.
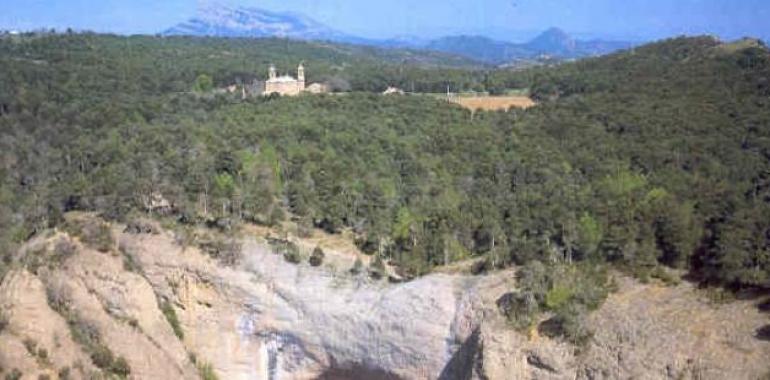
494	103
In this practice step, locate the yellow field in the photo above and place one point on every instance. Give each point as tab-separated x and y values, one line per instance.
494	103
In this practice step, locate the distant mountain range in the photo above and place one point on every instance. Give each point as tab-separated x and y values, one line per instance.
553	43
225	21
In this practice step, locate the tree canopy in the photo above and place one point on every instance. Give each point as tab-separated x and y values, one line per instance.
658	156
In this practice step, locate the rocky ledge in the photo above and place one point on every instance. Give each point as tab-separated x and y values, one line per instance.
266	318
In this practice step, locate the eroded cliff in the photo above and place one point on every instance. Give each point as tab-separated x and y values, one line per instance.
266	318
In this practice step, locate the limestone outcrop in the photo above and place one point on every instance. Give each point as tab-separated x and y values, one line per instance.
269	319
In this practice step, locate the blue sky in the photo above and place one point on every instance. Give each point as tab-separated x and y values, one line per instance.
505	19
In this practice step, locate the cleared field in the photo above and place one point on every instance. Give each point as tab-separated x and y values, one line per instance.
494	103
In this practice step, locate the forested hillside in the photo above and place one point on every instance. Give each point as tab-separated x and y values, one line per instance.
657	157
682	129
102	65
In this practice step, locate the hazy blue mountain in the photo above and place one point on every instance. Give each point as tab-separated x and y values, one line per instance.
225	21
481	48
601	47
405	41
553	42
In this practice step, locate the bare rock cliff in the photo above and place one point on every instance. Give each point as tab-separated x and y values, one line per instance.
269	319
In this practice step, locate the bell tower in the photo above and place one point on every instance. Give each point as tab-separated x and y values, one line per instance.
301	77
272	74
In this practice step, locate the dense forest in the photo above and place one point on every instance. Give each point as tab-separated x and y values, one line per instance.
97	65
652	159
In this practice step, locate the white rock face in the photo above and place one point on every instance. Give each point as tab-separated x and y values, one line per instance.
296	321
269	319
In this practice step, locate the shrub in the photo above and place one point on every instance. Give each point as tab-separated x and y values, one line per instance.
64	373
140	226
521	308
220	224
101	238
228	251
557	297
763	333
35	258
480	267
358	267
277	216
31	346
368	243
203	83
120	367
63	249
291	254
84	332
305	227
317	257
15	374
92	232
569	323
377	268
58	297
3	321
590	285
534	277
102	357
569	291
4	267
171	317
289	250
764	306
130	263
667	277
206	372
87	335
718	296
184	237
42	355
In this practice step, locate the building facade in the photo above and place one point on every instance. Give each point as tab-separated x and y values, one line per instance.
317	88
285	85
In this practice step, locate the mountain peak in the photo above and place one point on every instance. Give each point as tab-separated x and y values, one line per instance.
555	31
553	40
220	20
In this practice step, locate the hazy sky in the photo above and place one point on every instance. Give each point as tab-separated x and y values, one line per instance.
641	19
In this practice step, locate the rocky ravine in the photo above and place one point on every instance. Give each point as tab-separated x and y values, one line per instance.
268	319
